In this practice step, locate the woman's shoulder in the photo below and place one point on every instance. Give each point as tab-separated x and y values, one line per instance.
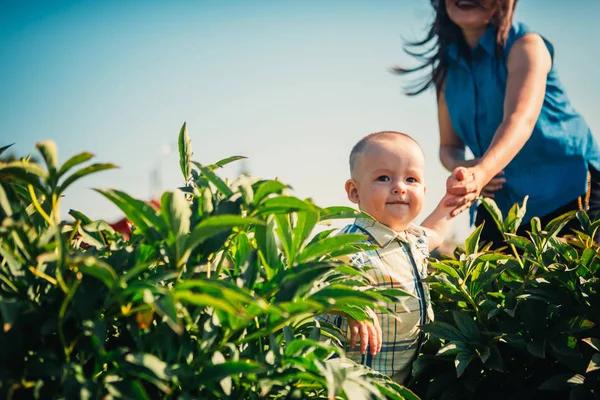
520	29
517	31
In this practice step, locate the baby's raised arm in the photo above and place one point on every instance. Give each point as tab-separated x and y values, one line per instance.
438	223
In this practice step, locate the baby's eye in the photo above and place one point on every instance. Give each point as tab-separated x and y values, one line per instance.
412	180
383	178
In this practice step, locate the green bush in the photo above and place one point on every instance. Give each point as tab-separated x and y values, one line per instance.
212	296
516	324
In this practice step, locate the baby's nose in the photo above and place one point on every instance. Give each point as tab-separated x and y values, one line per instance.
400	187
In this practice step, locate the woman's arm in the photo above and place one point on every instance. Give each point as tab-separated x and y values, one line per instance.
452	149
529	63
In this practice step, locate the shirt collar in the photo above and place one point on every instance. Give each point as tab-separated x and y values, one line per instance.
382	234
487	43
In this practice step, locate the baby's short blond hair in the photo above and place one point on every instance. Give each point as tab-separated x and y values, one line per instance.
363	143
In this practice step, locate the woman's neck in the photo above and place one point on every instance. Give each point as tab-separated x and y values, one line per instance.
473	35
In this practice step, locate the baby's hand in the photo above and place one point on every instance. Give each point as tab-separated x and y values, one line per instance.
369	333
448	204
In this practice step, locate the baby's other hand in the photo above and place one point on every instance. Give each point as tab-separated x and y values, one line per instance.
369	333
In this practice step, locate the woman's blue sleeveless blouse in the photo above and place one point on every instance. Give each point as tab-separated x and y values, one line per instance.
552	166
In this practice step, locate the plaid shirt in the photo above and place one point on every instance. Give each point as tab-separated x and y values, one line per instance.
399	262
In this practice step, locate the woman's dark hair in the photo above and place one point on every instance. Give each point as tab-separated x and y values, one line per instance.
430	51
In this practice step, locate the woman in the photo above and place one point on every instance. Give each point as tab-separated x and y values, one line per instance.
499	95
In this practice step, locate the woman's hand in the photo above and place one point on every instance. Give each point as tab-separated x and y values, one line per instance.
494	185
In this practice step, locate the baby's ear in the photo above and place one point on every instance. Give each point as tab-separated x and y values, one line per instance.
352	191
424	189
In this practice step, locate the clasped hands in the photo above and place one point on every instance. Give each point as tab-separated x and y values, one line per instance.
466	184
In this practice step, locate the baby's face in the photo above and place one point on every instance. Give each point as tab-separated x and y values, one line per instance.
388	181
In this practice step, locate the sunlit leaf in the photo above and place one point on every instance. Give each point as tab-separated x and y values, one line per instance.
140	213
73	161
467	326
49	153
215	180
285	204
496	214
562	381
176	212
225	161
462	361
185	152
443	330
151	362
318	249
22	170
266	188
82	173
4	148
594	364
100	270
472	242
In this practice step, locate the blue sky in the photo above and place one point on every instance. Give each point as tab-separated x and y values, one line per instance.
290	84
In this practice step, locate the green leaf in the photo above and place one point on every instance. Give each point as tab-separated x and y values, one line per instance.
176	211
216	372
318	249
214	225
338	212
301	276
446	268
452	349
472	242
82	173
10	309
267	247
304	226
151	362
466	325
4	202
228	291
140	213
443	330
166	306
515	216
462	361
225	161
537	348
100	270
492	208
49	153
594	364
22	170
285	204
558	223
266	188
584	220
595	343
205	300
4	148
398	392
215	180
85	220
284	233
562	381
73	161
185	152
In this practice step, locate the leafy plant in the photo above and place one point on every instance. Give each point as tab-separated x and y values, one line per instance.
212	296
516	324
